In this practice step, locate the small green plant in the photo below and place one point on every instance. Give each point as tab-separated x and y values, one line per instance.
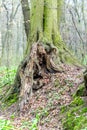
7	76
35	121
69	82
33	125
80	91
11	99
77	101
12	116
25	124
75	115
6	125
6	80
84	128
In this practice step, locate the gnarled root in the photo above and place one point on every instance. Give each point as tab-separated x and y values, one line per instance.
33	71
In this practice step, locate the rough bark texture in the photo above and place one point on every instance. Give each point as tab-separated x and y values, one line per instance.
26	14
85	81
34	71
38	64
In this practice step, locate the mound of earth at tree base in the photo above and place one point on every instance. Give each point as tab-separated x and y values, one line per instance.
45	104
44	90
35	70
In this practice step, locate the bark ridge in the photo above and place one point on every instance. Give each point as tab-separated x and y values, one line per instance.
35	71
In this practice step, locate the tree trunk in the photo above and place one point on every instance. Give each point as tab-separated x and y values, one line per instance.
85	81
45	43
26	14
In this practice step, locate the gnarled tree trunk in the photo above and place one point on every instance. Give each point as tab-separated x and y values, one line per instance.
45	43
34	71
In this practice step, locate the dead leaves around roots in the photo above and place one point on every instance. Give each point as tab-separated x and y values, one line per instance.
36	70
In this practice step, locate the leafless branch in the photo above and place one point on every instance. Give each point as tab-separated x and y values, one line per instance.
76	26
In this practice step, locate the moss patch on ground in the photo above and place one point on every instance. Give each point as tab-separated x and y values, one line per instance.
75	114
80	91
12	99
7	76
6	125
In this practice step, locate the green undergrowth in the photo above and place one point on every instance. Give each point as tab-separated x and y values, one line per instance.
33	124
7	76
6	125
10	100
80	91
75	114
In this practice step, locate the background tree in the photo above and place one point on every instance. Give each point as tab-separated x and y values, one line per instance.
74	26
12	33
26	14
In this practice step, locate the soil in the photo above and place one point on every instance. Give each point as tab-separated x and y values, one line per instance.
48	100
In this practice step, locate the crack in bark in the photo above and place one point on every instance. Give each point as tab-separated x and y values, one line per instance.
34	72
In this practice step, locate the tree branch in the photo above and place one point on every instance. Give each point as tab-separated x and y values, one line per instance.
76	26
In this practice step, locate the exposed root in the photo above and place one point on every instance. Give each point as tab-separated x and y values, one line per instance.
34	72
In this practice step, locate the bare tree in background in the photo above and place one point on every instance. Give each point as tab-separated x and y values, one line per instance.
26	14
10	23
74	26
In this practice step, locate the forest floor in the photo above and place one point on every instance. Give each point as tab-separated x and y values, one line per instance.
43	112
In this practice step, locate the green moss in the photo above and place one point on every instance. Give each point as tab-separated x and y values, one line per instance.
69	59
7	76
63	109
11	99
80	90
59	11
75	115
6	125
77	102
84	110
74	122
48	21
7	79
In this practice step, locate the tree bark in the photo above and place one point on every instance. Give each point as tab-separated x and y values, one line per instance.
26	14
85	81
45	43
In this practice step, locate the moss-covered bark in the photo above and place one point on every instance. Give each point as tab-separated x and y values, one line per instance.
37	8
45	20
36	23
59	11
44	43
